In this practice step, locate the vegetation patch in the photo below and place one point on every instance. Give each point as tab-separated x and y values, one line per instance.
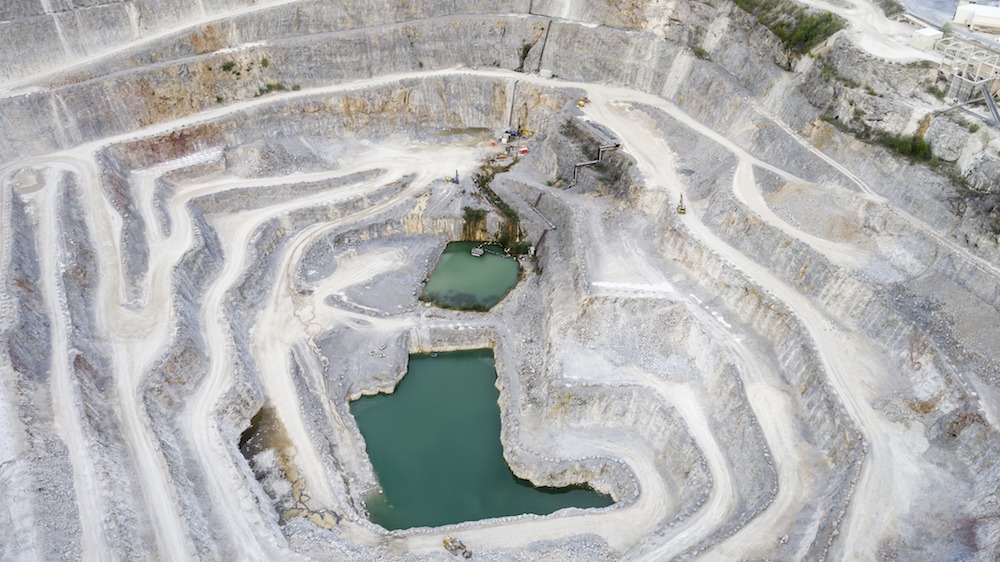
271	87
914	147
484	178
525	49
798	29
964	202
510	235
475	222
936	92
910	146
890	7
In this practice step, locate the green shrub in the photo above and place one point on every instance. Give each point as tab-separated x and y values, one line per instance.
700	53
271	87
483	179
520	248
798	29
228	66
472	214
811	30
264	62
913	147
890	7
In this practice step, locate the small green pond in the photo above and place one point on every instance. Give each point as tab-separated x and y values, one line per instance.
435	446
461	280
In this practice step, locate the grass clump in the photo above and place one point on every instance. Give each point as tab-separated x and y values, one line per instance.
914	147
936	92
271	87
910	146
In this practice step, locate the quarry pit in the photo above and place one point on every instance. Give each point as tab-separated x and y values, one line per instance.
219	217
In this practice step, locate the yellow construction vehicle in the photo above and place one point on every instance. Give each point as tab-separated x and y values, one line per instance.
456	547
681	209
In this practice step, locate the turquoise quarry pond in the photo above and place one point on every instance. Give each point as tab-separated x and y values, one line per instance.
461	280
435	446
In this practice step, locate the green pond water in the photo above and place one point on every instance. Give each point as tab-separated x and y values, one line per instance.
435	446
461	280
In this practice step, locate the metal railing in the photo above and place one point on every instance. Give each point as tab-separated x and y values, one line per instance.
990	103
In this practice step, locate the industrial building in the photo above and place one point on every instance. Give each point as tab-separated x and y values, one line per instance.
978	17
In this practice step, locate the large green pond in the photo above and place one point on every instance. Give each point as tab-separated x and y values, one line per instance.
435	446
461	280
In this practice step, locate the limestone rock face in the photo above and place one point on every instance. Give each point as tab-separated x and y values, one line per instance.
983	172
948	139
259	160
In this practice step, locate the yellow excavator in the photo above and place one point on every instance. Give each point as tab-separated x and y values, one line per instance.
456	547
681	209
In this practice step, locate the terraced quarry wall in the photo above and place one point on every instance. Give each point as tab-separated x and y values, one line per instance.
216	207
